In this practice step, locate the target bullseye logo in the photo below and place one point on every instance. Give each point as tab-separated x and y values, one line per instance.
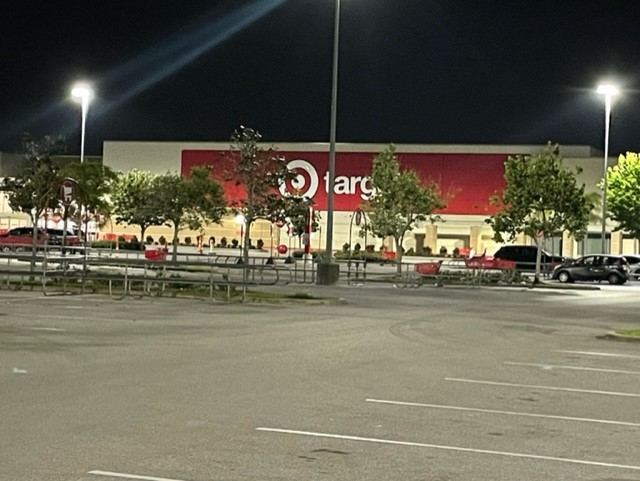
306	181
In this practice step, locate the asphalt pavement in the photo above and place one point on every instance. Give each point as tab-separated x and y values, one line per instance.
437	383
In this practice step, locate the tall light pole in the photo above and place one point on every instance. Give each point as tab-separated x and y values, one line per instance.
332	135
82	92
608	91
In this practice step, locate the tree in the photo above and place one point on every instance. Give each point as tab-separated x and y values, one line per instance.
93	186
188	202
258	173
400	200
135	200
540	198
37	188
623	193
295	211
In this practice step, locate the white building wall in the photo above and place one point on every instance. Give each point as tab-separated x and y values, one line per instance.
160	157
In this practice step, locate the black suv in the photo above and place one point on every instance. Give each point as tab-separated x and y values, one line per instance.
525	257
595	267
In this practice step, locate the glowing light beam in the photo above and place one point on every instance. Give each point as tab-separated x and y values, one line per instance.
153	65
176	52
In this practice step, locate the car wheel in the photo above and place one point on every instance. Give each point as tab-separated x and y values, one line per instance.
564	277
615	279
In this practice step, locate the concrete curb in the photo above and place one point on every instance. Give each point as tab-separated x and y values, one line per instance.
568	286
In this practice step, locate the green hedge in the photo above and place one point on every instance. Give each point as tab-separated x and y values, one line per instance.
109	244
360	255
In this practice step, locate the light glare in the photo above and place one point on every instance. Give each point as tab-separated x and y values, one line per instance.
81	92
608	89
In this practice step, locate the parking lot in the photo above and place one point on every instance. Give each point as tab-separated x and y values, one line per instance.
411	384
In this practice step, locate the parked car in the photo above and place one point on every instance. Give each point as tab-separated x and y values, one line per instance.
525	257
594	267
22	237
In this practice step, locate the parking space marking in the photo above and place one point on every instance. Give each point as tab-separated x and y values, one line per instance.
602	354
549	388
507	413
69	317
447	448
575	368
129	476
51	329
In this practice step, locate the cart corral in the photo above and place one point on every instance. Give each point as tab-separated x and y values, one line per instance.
481	270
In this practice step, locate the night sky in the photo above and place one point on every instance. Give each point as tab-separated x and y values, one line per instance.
411	71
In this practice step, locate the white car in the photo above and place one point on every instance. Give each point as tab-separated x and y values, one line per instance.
634	266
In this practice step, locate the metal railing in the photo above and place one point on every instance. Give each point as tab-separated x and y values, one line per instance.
133	275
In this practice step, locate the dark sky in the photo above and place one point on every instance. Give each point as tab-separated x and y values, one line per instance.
411	71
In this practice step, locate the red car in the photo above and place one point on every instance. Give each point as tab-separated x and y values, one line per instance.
22	237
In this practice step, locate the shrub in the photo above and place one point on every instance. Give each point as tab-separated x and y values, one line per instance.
345	247
223	242
149	239
235	243
428	251
132	246
111	244
456	252
362	255
370	248
357	247
260	244
187	240
162	240
314	255
443	251
103	244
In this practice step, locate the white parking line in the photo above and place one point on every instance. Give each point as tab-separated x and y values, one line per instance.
447	448
70	317
129	476
550	388
496	411
575	368
602	354
52	329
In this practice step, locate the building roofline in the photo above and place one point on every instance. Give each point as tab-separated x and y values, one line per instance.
565	150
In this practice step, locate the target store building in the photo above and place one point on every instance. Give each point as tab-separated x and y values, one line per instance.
468	175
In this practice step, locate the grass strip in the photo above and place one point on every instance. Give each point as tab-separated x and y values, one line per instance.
628	332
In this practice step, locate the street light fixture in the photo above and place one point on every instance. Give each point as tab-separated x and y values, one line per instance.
82	93
608	90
